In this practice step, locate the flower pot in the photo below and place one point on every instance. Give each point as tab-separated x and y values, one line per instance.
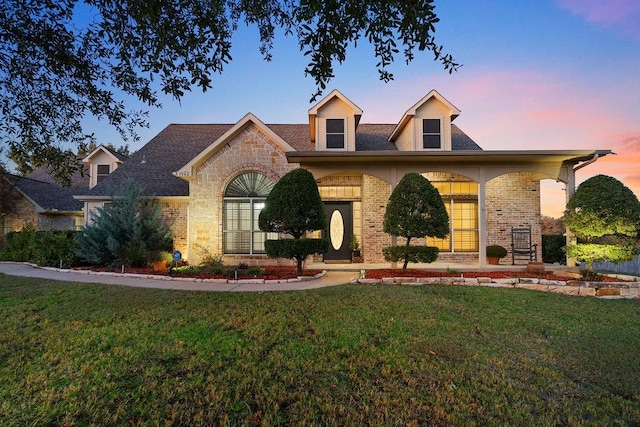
159	265
493	260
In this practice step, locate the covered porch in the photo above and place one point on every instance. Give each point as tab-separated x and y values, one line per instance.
479	166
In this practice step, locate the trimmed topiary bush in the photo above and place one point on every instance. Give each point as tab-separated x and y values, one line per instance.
604	214
426	254
294	207
415	209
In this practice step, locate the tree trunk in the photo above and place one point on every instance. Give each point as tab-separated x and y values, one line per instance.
406	256
299	262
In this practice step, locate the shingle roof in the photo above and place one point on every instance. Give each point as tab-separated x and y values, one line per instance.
79	180
177	144
47	195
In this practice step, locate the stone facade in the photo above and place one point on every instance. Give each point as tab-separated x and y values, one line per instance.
250	150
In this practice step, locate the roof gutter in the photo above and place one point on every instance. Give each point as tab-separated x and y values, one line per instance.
595	157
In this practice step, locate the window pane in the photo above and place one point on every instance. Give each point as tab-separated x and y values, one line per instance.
465	241
431	126
237	242
442	187
442	244
249	184
103	169
430	141
335	126
335	140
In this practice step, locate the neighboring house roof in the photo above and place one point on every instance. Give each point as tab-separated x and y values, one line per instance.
179	144
46	196
79	179
120	158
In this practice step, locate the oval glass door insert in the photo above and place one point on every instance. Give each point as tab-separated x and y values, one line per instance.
336	230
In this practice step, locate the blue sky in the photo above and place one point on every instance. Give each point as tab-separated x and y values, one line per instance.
543	74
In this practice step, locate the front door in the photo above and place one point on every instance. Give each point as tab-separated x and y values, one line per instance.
338	231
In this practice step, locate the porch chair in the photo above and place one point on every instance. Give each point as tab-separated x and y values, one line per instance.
521	246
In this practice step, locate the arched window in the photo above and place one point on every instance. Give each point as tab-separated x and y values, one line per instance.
244	198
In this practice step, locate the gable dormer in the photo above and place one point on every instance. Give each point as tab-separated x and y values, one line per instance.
426	126
333	123
102	162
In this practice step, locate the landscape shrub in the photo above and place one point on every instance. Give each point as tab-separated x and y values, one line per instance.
424	254
18	245
552	252
294	207
130	230
54	248
43	247
294	248
415	209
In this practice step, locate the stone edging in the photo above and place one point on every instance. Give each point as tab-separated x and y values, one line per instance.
609	290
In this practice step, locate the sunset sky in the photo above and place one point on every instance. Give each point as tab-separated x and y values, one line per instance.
544	74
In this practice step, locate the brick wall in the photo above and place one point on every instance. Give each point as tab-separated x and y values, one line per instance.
175	214
250	150
375	195
513	200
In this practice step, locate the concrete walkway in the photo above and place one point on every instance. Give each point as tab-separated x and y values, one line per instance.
332	278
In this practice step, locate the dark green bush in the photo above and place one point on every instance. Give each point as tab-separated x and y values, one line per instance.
18	245
426	254
291	248
496	251
552	252
46	247
52	247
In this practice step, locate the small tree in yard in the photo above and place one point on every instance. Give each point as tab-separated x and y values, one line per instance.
294	207
605	216
130	230
415	209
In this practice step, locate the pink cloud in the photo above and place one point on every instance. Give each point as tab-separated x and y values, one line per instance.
622	15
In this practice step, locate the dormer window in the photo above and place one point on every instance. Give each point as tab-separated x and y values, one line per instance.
103	172
335	133
431	137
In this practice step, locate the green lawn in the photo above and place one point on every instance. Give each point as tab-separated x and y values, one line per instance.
77	354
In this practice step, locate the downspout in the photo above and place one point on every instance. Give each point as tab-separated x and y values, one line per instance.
587	163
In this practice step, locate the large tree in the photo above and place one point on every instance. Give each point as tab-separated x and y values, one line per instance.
604	214
415	209
294	207
61	60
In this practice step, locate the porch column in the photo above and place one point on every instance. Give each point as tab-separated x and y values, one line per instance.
394	183
570	187
482	220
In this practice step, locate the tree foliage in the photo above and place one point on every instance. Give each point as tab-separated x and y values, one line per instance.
605	216
294	207
601	206
129	230
415	209
61	60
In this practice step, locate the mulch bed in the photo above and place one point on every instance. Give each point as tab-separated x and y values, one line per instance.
270	273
